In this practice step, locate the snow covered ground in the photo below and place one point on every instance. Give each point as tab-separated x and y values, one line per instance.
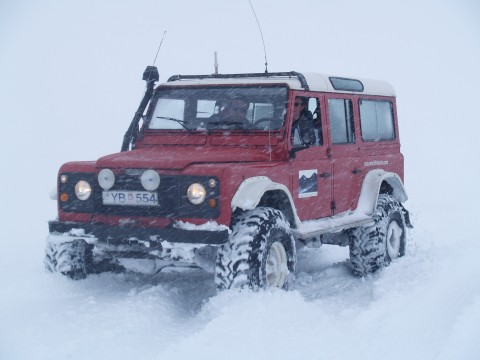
71	82
424	306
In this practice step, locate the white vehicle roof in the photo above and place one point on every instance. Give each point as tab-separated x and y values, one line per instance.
315	81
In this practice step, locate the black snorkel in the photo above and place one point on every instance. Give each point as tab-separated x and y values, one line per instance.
150	75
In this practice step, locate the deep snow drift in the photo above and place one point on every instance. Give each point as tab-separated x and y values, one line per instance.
424	306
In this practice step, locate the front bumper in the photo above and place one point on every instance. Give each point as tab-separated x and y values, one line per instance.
105	233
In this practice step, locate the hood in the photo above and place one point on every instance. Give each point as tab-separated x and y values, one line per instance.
176	158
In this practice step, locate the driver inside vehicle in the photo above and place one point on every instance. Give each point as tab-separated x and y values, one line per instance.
233	115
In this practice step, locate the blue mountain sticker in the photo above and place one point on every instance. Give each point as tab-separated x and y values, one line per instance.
307	183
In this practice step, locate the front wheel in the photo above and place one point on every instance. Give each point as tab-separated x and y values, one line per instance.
260	252
72	258
375	246
75	259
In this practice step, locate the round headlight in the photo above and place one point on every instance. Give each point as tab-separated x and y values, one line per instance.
106	178
83	190
150	180
196	193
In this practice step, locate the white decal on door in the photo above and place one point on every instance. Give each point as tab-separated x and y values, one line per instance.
375	163
307	183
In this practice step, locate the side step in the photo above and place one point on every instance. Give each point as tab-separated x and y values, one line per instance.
313	228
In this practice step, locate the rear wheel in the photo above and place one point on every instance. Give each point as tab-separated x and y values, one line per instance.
375	246
276	271
259	254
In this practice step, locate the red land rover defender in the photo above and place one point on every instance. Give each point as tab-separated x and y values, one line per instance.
215	173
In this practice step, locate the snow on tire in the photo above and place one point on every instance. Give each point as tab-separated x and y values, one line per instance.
375	246
72	258
259	254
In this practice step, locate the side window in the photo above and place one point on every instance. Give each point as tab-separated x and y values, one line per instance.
340	112
376	120
306	125
314	108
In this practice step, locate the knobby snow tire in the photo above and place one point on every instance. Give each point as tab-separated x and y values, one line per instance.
242	262
375	246
72	258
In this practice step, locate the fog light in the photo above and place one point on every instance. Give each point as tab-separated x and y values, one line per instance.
63	179
106	179
150	180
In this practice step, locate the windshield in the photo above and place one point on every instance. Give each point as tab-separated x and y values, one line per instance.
234	108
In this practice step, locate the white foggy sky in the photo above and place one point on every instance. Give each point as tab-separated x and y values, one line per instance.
71	77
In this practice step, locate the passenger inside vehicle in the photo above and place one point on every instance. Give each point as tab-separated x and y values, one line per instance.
232	115
303	132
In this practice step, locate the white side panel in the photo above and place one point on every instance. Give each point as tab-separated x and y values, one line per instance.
321	82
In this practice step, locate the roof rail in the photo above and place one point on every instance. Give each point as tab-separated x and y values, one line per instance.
299	76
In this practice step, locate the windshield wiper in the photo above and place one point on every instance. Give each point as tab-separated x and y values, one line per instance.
181	122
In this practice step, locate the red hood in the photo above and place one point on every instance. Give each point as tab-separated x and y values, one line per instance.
179	158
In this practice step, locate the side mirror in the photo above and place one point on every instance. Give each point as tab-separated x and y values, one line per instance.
293	152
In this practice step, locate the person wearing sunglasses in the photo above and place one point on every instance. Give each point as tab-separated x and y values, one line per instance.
303	132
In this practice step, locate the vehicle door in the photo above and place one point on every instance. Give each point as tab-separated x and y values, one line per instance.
345	154
310	165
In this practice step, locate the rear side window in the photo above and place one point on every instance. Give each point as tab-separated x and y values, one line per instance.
340	112
376	119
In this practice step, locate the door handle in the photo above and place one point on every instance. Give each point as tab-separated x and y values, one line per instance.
325	175
356	171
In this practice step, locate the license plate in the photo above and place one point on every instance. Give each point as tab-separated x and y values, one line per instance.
130	198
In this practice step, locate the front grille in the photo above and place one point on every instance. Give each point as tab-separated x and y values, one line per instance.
167	195
172	198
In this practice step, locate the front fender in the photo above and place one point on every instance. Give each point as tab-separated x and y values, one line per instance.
251	191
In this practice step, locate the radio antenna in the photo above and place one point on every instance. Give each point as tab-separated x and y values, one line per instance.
215	62
261	34
159	46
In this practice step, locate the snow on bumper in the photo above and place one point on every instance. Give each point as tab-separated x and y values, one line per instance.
103	232
182	246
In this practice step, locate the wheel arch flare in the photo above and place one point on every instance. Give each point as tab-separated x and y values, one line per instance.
372	186
262	191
